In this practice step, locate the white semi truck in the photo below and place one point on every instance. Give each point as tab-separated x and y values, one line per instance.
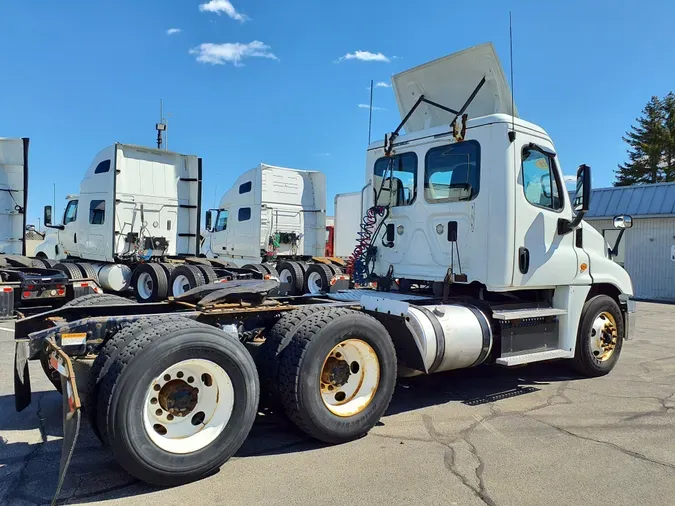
273	220
466	215
135	223
27	285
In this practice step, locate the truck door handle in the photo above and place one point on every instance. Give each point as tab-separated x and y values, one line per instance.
75	237
523	259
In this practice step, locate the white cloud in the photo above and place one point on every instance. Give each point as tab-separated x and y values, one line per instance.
220	6
366	106
570	179
322	154
235	52
382	84
364	56
173	31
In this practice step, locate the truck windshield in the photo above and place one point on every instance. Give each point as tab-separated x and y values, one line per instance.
221	222
400	183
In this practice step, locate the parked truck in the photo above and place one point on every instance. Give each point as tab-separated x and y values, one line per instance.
466	215
135	223
27	285
273	220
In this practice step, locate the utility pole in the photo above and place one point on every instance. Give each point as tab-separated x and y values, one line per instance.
370	111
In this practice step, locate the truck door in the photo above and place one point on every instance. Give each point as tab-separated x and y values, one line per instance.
219	234
68	236
95	227
543	257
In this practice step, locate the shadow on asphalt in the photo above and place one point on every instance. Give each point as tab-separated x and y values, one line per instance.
33	468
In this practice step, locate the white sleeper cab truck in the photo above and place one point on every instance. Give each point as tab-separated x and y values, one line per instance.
136	215
273	220
479	257
26	284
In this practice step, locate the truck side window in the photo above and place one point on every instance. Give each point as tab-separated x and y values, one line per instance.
102	167
452	173
71	212
244	213
97	212
221	221
540	180
245	187
400	179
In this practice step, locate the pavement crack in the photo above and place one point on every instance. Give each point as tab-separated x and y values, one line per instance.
450	454
625	451
558	394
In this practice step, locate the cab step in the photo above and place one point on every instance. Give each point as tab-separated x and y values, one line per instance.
538	356
523	313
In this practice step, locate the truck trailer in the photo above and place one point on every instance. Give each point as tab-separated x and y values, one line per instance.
480	258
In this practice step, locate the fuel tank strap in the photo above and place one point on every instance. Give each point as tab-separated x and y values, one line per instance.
486	330
440	338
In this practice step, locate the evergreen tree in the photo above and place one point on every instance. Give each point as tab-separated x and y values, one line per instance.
647	141
669	122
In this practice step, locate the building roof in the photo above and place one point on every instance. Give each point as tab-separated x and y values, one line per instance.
640	200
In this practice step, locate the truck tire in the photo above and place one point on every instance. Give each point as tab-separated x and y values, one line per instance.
291	272
108	354
272	270
335	269
317	279
18	260
256	268
167	385
150	283
71	270
209	274
48	263
600	337
88	271
39	263
168	268
184	278
93	299
98	299
337	375
275	343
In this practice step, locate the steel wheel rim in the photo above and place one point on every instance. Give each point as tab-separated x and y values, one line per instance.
285	276
188	406
349	377
145	285
604	336
314	283
180	285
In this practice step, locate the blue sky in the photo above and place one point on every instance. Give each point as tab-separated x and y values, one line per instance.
80	75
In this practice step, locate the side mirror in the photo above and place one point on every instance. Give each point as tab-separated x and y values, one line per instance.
624	221
582	196
47	218
208	220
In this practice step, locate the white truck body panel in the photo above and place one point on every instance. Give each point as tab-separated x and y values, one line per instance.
131	190
13	195
266	201
450	81
348	217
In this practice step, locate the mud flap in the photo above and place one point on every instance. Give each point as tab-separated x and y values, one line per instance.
72	412
22	391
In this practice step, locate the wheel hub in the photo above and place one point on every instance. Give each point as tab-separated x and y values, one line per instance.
604	336
178	398
335	372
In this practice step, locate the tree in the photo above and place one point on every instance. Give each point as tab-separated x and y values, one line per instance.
669	123
647	140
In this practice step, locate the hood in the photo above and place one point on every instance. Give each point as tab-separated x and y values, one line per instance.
450	81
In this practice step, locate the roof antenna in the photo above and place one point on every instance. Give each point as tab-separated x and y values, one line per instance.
512	133
370	112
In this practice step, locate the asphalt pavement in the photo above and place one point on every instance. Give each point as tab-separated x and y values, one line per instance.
529	436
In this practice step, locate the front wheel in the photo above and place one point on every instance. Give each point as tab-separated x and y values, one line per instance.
600	337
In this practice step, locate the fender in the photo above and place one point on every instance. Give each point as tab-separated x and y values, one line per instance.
49	247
